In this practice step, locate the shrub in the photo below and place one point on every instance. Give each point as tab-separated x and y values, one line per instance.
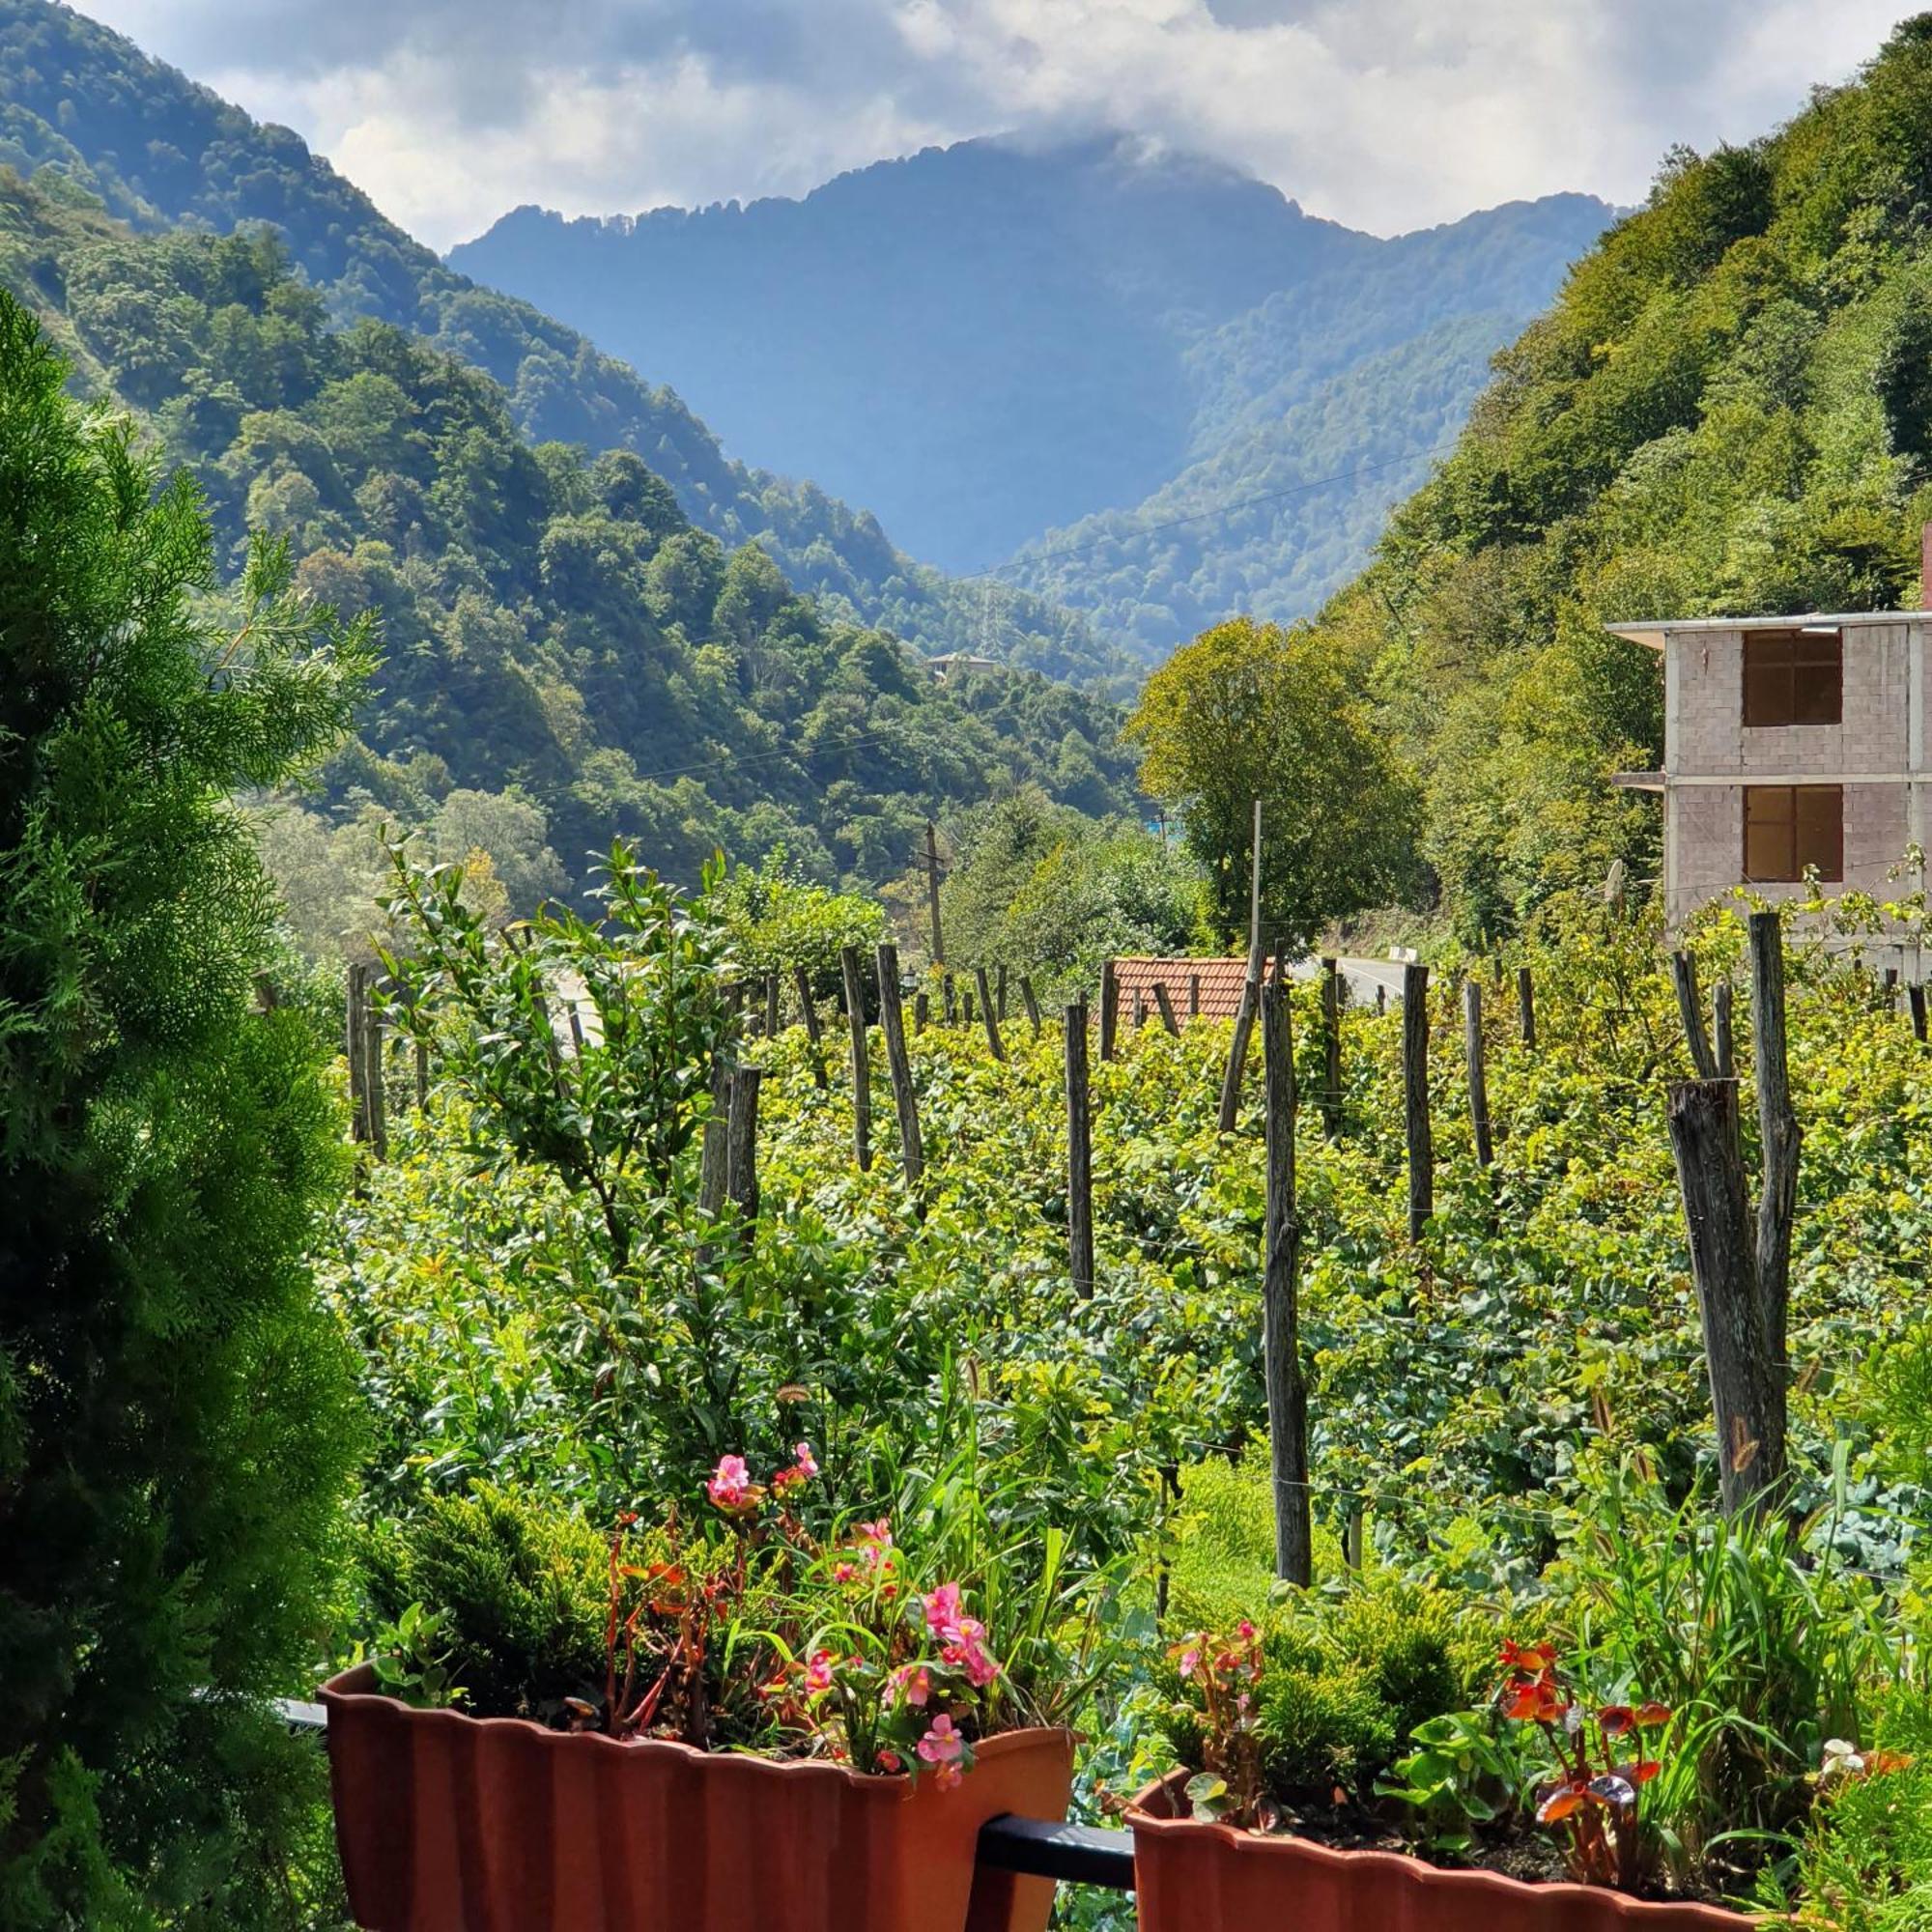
177	1420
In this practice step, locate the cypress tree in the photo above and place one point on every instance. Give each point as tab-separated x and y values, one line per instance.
177	1415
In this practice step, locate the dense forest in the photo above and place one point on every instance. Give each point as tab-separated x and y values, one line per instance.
1002	348
566	656
1728	409
160	151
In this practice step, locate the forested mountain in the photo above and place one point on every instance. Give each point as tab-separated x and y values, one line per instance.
1728	409
990	341
158	151
567	656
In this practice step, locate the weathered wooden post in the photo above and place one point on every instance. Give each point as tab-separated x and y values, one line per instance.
1915	999
1194	996
1166	1006
1031	1005
1110	1005
1331	1048
1281	1339
1140	1010
1251	989
808	1009
356	984
1079	1153
422	1073
1381	998
1003	993
1723	1043
1415	1097
741	1174
948	1005
862	1071
771	1006
991	1020
714	1162
891	1022
375	1095
1778	1135
1683	977
1747	1386
922	1011
1525	1007
966	1005
1479	1080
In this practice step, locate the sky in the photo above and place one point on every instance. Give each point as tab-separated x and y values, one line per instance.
1385	114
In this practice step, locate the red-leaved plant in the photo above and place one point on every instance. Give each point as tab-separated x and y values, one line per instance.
1595	1800
816	1649
1220	1675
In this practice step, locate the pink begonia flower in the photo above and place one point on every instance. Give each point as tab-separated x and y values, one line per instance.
787	1478
966	1647
806	1466
913	1682
1190	1662
888	1760
1245	1630
943	1609
730	1484
818	1671
942	1747
844	1572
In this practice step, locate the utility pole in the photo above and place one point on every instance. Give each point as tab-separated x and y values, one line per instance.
932	889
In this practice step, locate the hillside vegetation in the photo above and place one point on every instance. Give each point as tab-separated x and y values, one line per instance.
1728	409
552	622
160	151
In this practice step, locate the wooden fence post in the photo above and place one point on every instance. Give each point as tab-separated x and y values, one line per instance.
891	1022
1331	1048
355	1000
1683	977
1251	988
862	1070
422	1073
771	1006
1479	1082
994	1044
1003	992
1525	1007
1415	1097
1747	1386
741	1174
1194	996
1915	997
714	1163
966	1005
1031	1005
1281	1339
947	1003
1079	1152
1778	1135
922	1011
807	1007
374	1094
1723	1044
1110	1001
1140	1010
1166	1006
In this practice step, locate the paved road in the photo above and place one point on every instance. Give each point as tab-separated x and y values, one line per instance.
1361	976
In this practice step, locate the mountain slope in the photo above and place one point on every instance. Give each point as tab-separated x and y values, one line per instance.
557	634
984	337
1728	409
1006	348
1327	404
160	151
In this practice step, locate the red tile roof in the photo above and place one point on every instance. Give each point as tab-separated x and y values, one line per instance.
1220	987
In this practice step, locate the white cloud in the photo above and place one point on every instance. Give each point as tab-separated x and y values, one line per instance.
1386	114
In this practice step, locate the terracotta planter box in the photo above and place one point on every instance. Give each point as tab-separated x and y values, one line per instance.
455	1824
1193	1877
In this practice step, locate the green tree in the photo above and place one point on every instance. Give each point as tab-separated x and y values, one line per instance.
177	1419
1252	711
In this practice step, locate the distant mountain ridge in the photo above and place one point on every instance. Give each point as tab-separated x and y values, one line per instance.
158	151
994	341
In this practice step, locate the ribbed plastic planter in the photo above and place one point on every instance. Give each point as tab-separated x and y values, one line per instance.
449	1823
1195	1877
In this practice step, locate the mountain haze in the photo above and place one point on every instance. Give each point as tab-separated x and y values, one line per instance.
993	342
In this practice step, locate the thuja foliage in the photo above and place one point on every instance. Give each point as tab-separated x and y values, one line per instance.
175	1415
